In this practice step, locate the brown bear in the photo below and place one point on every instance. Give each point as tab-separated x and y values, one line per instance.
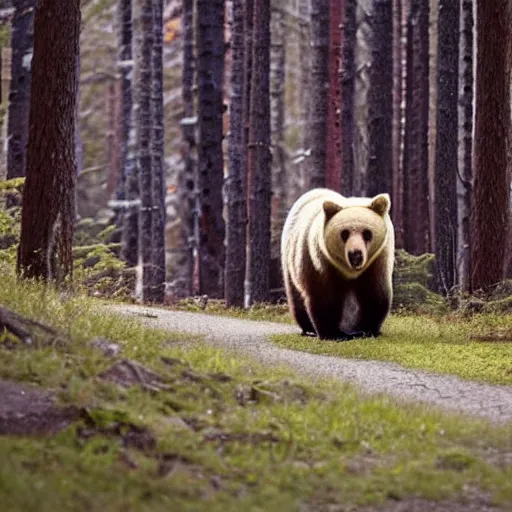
337	256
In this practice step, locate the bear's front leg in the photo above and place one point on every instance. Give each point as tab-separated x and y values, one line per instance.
326	319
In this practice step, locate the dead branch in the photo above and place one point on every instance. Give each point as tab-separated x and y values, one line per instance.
21	326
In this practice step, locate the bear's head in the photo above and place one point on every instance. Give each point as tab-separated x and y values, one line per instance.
355	232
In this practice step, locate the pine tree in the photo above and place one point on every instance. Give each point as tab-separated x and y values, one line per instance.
19	96
130	237
319	87
48	213
158	273
491	187
236	189
347	87
445	195
260	162
380	101
416	196
210	80
143	124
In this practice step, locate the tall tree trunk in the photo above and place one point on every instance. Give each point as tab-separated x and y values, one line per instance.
416	200
491	187
129	164
19	98
446	145
49	195
277	116
347	85
380	101
333	164
396	135
187	181
235	189
144	143
298	178
260	158
465	140
319	90
157	158
210	72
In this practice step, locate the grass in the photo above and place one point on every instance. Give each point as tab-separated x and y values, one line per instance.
221	433
445	344
451	344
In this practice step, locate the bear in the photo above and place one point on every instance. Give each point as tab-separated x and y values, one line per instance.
337	258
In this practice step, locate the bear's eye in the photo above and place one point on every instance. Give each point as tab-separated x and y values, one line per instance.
345	234
367	235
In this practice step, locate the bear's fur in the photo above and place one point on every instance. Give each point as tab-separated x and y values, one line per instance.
337	276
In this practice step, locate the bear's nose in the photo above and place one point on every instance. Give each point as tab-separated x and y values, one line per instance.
355	258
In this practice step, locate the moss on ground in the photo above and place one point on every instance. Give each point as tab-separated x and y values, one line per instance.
215	431
477	348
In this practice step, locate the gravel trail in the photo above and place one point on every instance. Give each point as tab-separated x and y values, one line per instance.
451	393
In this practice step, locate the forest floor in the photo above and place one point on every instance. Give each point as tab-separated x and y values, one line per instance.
160	410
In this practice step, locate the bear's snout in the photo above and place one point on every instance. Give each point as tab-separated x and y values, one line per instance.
356	258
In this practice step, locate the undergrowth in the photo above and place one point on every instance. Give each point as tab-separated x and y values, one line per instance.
215	431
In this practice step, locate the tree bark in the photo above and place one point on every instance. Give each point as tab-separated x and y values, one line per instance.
446	145
235	186
277	118
22	42
210	73
129	165
465	141
49	196
333	164
347	84
187	181
491	187
319	91
143	119
260	159
157	158
380	101
416	198
396	135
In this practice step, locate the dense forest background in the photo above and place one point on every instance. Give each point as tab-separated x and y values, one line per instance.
261	101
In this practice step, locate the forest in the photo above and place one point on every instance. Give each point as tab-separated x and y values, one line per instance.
150	153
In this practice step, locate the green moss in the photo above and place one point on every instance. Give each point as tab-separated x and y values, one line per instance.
222	432
447	344
415	297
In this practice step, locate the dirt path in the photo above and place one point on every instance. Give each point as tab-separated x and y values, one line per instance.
250	337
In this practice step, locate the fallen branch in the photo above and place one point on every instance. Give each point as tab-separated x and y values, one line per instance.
20	326
492	337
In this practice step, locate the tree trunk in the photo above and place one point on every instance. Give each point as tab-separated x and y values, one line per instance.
298	178
187	181
446	145
465	140
380	101
157	159
235	186
347	85
491	186
277	116
416	200
396	135
210	73
49	196
333	164
260	159
319	91
129	165
19	97
143	119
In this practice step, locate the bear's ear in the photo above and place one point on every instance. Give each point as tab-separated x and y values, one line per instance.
331	209
381	204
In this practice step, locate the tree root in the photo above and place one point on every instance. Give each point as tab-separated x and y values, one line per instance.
21	327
